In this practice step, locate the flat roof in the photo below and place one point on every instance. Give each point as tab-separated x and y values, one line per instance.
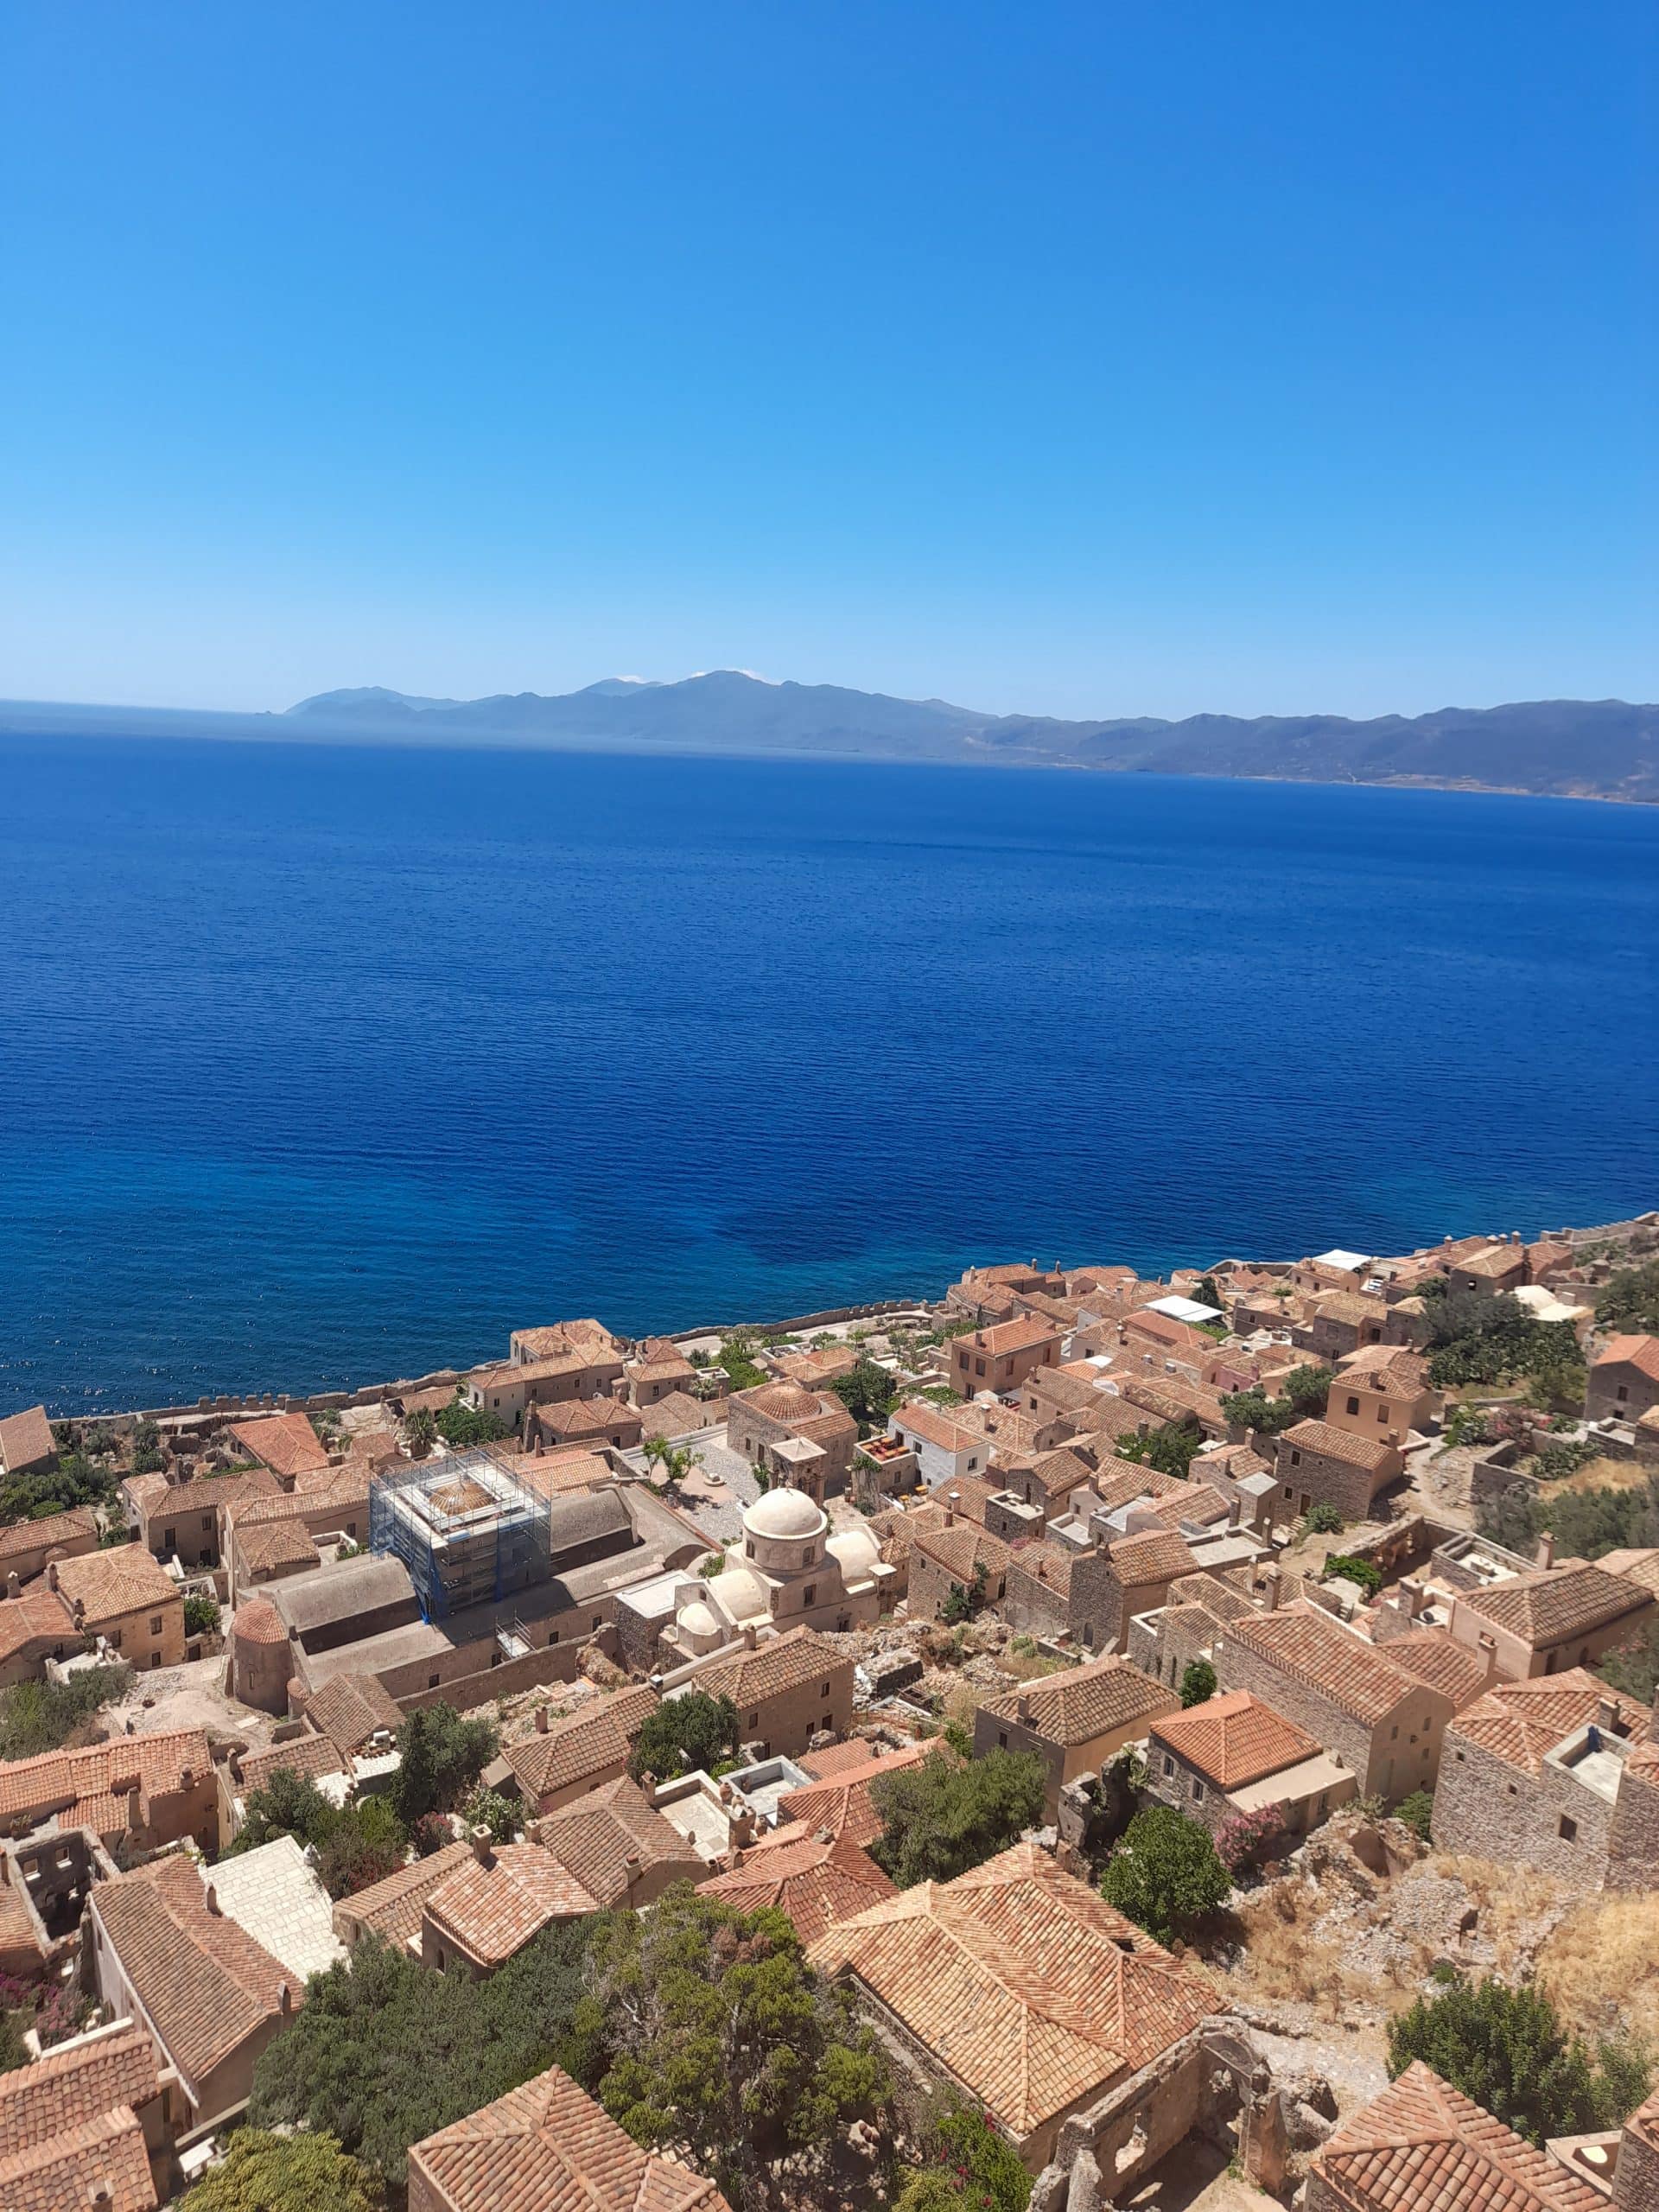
1355	1262
1184	1309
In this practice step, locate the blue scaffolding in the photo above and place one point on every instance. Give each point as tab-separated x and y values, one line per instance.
466	1530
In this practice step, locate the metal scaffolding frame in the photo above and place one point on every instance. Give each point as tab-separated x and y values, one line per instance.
466	1530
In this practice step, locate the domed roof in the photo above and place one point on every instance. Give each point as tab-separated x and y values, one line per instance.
784	1513
854	1547
258	1622
696	1619
739	1595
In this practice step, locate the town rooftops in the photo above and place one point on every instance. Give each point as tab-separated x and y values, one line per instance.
961	1549
557	1338
1149	1556
1084	1702
771	1668
1021	1981
1521	1722
840	1800
1440	1660
1384	1366
25	1439
204	1983
101	2161
342	1490
1333	1442
1234	1739
77	2082
308	1756
595	1738
612	1836
1308	1644
1640	1352
286	1443
1492	1262
37	1618
935	1427
1022	1334
499	1897
548	2144
273	1892
350	1708
157	1498
125	1579
268	1547
1423	2144
88	1787
1047	1562
816	1879
74	1527
392	1906
1557	1603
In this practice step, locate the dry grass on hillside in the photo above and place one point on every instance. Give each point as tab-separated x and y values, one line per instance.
1601	1968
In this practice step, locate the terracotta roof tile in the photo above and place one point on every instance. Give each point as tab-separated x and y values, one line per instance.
1333	1442
392	1906
38	1619
205	1985
284	1442
1024	1334
840	1800
1520	1722
1306	1644
816	1880
1084	1702
962	1549
67	2087
309	1757
1234	1739
1640	1352
77	1784
775	1667
349	1708
1441	1662
101	2162
25	1437
1150	1555
1022	1981
73	1527
1051	1564
596	1836
125	1579
548	2147
597	1736
1557	1603
1422	2146
492	1908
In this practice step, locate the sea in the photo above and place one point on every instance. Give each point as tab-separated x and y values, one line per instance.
322	1064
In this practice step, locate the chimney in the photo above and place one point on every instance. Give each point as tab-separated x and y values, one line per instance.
540	1720
52	1574
1271	1584
1022	1708
1547	1550
136	1812
1235	1512
13	1586
479	1837
285	1998
749	1635
1607	1714
632	1870
951	1511
187	1777
648	1786
212	1901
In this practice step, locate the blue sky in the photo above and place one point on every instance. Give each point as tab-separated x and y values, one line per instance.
1106	359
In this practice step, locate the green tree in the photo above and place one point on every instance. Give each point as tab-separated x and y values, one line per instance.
421	1427
1364	1571
1417	1811
14	2052
709	2032
941	1817
685	1734
742	1372
201	1614
869	1394
383	2051
1506	2048
1198	1682
967	2167
262	2172
440	1758
287	1804
1304	1395
38	1717
1630	1298
76	1480
1634	1671
356	1844
1164	1874
463	1426
488	1809
1170	1449
673	1461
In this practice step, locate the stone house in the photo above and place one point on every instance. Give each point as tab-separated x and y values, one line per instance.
1383	1392
787	1689
1054	1589
806	1437
35	1625
1344	1322
1317	1463
816	1880
1541	1773
658	1371
1623	1379
1635	2175
945	1450
26	1549
1384	1723
1165	1642
183	1519
619	1846
26	1445
159	1950
336	1505
286	1443
1490	1272
1421	2133
548	2144
122	1597
1553	1619
89	2123
951	1557
1001	1358
1072	1721
568	1759
963	1979
1037	1591
149	1791
549	1366
596	1422
1233	1754
493	1901
1067	1393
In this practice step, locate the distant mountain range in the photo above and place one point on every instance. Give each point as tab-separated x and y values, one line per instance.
1598	748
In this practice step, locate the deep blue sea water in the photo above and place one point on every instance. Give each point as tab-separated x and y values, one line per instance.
319	1065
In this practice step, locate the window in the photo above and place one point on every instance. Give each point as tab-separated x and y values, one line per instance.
1295	1459
115	1640
206	1524
1286	1489
155	1658
553	1636
170	1539
1353	1405
979	1367
1568	1829
809	1594
1393	1735
825	1692
1198	1793
972	1461
495	1658
1002	1740
1624	1393
754	1721
828	1721
351	1530
599	1623
1382	1410
431	1681
1169	1765
154	1624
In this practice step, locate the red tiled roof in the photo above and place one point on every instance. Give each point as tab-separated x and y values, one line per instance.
936	1428
1640	1352
1150	1555
125	1579
101	2162
816	1880
548	2147
38	1619
25	1437
773	1668
1022	1981
1021	1335
66	2087
1422	2146
1441	1662
308	1756
87	1785
258	1622
349	1708
1333	1442
492	1908
1557	1603
205	1985
73	1527
840	1800
392	1906
1084	1702
596	1835
1306	1642
598	1736
1234	1739
1520	1722
285	1442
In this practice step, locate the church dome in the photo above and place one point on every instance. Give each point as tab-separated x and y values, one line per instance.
857	1549
696	1619
787	1513
739	1594
258	1622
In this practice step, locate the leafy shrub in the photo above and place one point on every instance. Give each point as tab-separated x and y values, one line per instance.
1244	1840
488	1809
1417	1811
201	1615
463	1426
685	1734
967	2167
1198	1682
1322	1519
1506	2048
1164	1874
941	1817
440	1758
1630	1298
37	1717
1364	1571
261	2173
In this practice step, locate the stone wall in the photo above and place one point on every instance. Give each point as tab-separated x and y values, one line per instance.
1484	1806
1323	1480
1633	1834
558	1662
